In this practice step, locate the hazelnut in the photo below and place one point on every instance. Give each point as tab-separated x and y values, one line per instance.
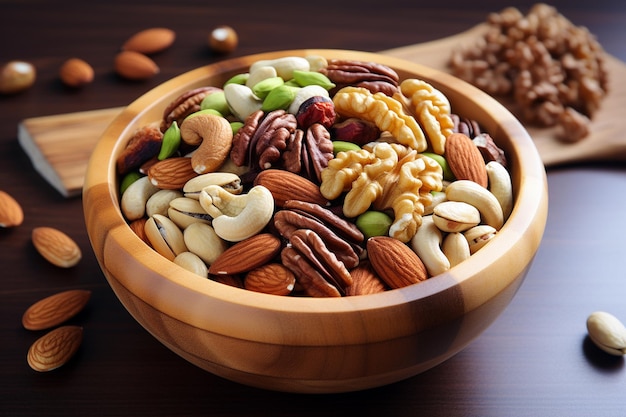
223	39
16	76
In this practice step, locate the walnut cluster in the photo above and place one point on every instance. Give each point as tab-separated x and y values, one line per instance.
553	69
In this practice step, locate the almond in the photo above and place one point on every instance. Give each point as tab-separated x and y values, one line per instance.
76	73
135	66
465	160
55	348
11	213
285	185
364	280
150	41
56	247
272	278
395	262
246	255
55	309
171	173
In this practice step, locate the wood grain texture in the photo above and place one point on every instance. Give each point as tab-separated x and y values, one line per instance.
60	145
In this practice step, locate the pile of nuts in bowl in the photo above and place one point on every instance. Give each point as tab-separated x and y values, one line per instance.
314	177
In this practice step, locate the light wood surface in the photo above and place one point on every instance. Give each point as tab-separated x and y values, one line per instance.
60	145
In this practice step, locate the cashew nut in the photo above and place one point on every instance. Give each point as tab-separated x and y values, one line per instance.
260	74
135	198
478	196
215	137
500	186
427	244
284	66
237	217
241	100
305	93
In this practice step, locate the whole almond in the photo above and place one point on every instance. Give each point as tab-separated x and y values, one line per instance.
364	280
285	185
395	262
246	255
465	160
76	73
56	247
171	173
55	348
55	309
11	213
135	66
272	278
150	41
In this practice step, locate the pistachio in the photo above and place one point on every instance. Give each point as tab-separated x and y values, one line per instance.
263	87
259	74
607	332
455	216
241	100
135	198
164	236
479	236
159	202
456	248
192	263
171	141
201	239
374	223
240	79
228	181
279	98
343	146
215	101
447	172
304	78
184	211
128	179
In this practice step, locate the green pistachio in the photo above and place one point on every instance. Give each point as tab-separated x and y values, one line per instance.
343	146
304	78
236	126
238	79
447	172
263	87
216	101
279	98
374	223
205	111
128	179
170	142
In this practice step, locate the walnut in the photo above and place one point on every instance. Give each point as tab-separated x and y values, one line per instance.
385	176
541	60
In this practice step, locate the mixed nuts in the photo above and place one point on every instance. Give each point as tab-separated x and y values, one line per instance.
314	177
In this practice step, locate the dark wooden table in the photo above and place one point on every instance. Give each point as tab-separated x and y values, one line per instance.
535	360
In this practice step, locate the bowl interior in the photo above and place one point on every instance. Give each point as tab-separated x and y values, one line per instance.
463	288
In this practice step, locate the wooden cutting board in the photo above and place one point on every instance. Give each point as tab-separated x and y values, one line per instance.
59	146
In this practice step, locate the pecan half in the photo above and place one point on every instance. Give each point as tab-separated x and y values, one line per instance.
184	105
373	76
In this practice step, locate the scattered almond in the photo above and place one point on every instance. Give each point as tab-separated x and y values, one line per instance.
150	41
395	262
246	255
135	66
11	213
55	348
465	160
55	309
76	73
56	247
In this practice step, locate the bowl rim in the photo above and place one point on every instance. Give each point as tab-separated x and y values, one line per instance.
531	198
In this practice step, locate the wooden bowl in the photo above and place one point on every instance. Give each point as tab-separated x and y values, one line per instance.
315	345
